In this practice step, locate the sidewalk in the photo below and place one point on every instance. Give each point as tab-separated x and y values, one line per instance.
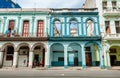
58	68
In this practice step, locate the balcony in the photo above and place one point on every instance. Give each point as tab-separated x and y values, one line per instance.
111	12
19	37
112	36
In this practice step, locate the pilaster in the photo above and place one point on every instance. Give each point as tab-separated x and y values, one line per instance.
83	57
15	59
101	59
47	57
18	28
4	24
65	57
1	58
32	30
31	54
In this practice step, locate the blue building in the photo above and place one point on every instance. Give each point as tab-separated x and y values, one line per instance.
74	38
8	4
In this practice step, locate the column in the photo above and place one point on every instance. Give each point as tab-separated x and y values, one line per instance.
105	58
93	55
31	54
1	58
18	28
112	27
15	58
101	59
64	26
47	57
83	57
79	58
51	27
67	29
4	25
82	33
32	28
65	57
98	26
108	60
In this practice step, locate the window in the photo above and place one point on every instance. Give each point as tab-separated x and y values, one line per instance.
117	25
61	59
25	28
11	24
87	48
73	27
104	4
112	50
90	28
40	28
11	32
114	4
57	28
107	27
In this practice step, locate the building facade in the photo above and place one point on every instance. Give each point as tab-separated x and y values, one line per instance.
110	22
74	38
109	14
50	38
23	38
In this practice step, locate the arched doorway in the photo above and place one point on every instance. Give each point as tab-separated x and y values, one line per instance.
74	55
39	56
114	55
57	55
92	54
23	56
8	55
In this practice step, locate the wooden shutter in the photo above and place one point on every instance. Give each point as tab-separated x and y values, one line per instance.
40	28
25	28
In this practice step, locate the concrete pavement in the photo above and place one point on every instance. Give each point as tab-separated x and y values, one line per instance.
56	73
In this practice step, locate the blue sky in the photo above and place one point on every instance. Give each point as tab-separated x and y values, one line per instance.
50	3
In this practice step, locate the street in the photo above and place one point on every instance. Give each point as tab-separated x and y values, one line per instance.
32	73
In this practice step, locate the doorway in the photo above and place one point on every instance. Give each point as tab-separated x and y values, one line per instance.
73	59
88	59
113	60
36	60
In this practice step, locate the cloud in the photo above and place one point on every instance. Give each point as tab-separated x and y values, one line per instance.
50	3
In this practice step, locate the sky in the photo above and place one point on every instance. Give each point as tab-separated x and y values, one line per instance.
50	3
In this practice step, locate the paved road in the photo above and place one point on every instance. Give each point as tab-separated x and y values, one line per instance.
25	73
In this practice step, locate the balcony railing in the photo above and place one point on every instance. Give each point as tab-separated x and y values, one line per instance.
112	10
33	35
112	36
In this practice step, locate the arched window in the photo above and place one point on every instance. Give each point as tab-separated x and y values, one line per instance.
73	27
90	28
57	28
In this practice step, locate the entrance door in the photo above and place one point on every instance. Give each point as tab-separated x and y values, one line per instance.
88	59
36	60
71	59
76	61
113	60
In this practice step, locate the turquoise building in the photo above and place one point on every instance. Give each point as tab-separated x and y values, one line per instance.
74	38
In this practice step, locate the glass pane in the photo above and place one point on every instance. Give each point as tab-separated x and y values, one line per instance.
90	28
57	28
73	28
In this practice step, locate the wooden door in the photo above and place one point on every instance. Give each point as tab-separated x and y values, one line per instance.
88	59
